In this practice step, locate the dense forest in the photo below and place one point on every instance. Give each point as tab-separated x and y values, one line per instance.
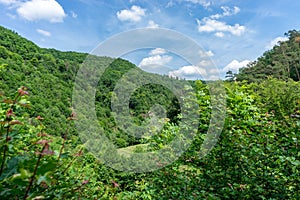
282	62
42	156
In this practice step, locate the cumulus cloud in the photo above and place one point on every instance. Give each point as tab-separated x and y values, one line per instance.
203	69
49	10
155	61
189	72
152	24
212	25
43	32
134	14
157	51
227	11
236	65
219	34
276	41
159	59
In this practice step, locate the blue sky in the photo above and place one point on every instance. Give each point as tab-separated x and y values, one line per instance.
232	32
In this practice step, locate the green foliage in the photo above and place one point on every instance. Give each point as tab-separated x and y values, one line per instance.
281	62
37	165
41	156
281	97
49	75
248	148
48	78
29	161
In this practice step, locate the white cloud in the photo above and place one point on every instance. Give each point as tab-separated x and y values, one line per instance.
49	10
210	53
236	65
135	14
219	34
205	54
212	25
188	72
204	3
275	42
230	11
227	11
73	14
9	2
157	51
155	61
43	32
152	24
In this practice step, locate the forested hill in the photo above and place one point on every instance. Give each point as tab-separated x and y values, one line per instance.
21	60
47	73
281	62
49	76
256	155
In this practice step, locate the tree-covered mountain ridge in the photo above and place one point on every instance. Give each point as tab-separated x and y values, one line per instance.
281	62
42	157
49	75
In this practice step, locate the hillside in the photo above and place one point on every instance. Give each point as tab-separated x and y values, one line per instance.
255	156
49	75
281	62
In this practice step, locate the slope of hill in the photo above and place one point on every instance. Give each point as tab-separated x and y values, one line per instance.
281	62
256	155
49	75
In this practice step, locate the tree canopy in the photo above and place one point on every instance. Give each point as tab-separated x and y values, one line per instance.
42	156
281	62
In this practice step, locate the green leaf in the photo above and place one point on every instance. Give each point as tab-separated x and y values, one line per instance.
44	178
